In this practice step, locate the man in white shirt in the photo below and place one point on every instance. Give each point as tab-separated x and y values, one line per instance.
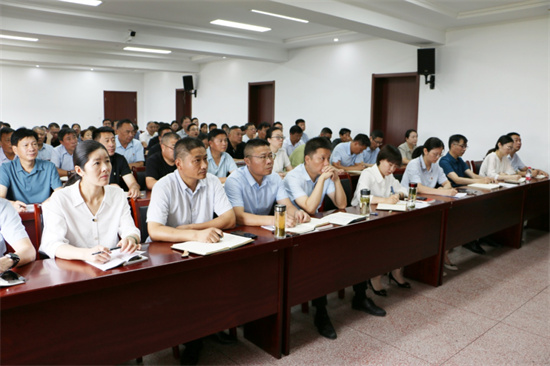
516	162
151	131
183	204
294	140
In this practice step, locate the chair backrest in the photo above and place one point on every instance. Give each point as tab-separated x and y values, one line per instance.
139	211
139	174
476	166
348	189
469	165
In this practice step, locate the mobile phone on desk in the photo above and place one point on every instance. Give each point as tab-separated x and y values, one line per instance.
245	234
421	198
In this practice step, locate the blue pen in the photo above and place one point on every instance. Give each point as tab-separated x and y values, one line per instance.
392	191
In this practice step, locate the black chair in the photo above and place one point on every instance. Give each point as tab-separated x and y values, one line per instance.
348	188
139	211
139	174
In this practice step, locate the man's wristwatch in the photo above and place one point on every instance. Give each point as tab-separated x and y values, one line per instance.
15	258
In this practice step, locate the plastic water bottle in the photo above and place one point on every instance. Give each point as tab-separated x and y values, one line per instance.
528	175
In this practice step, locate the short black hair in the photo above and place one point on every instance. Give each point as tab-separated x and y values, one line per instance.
296	129
22	133
96	134
315	144
408	132
457	138
64	132
216	132
271	130
189	126
163	126
53	124
234	127
343	131
75	124
263	125
212	125
510	134
123	122
185	145
326	130
362	139
277	123
201	136
253	143
168	136
6	130
391	154
299	120
377	133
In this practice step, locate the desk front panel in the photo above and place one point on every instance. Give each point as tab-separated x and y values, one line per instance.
537	199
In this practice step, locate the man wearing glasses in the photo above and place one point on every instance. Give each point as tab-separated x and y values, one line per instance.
121	174
455	168
163	162
254	189
371	153
249	132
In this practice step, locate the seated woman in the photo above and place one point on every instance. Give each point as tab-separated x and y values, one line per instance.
384	188
406	149
89	215
425	171
281	163
496	165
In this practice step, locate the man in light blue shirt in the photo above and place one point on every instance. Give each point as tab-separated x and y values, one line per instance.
13	230
25	179
127	146
294	140
302	124
371	153
349	155
44	150
254	189
220	163
62	155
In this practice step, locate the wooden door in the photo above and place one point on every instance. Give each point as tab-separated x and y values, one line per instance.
261	102
394	106
119	105
183	104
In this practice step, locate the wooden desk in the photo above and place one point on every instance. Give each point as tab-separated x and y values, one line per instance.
72	313
325	261
536	204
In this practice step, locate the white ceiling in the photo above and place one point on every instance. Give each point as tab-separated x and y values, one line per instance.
82	37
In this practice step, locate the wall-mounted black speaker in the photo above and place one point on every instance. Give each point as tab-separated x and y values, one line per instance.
426	61
188	83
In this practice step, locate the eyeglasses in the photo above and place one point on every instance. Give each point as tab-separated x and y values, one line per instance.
263	157
432	153
170	147
378	142
278	137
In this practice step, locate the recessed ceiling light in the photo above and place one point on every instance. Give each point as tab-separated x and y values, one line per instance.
280	16
16	38
84	2
148	50
37	65
224	57
227	23
91	69
336	39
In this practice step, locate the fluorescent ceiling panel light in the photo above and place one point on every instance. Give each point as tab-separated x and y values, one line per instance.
280	16
84	2
227	23
149	50
16	38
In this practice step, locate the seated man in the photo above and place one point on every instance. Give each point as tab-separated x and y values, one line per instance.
121	174
262	130
182	208
150	132
455	168
254	189
235	147
294	140
127	146
516	162
44	150
220	163
62	155
26	179
53	135
326	133
6	152
185	122
14	232
349	155
307	186
345	136
154	143
249	132
193	130
302	124
371	152
161	163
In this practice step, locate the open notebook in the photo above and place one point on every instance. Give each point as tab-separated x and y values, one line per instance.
120	259
228	242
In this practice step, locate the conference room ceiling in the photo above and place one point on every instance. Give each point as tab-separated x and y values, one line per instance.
72	36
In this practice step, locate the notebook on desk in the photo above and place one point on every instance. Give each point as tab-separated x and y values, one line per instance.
228	242
120	259
489	186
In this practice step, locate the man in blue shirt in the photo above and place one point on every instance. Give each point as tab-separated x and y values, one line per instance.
307	186
254	189
349	155
25	179
44	150
62	155
127	146
220	163
371	153
14	232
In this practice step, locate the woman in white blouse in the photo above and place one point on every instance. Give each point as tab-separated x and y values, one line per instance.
85	220
384	188
281	163
496	165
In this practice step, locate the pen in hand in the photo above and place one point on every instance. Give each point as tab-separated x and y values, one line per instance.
96	253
